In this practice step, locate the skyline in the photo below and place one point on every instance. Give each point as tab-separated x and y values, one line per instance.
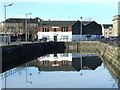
100	11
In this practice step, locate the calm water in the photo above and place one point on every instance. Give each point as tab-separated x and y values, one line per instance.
65	70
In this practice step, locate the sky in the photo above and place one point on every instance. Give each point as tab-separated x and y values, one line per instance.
101	11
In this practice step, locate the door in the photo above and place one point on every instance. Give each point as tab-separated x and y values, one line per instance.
55	38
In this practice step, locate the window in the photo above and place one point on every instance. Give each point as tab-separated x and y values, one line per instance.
64	62
46	62
20	27
8	27
55	55
45	29
55	62
64	29
64	37
88	35
110	32
55	29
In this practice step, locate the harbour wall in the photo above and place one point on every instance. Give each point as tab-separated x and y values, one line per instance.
15	55
109	53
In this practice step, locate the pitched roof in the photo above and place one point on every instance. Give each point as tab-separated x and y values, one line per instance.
19	20
60	23
92	22
56	23
58	68
107	25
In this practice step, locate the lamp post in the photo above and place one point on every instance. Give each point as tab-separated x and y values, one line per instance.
26	31
81	29
27	81
5	26
81	43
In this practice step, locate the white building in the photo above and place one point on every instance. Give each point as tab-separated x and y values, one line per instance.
56	30
107	30
56	59
69	30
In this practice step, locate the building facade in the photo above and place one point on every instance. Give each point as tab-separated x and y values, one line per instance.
76	31
116	26
90	30
107	30
69	62
93	30
16	27
56	30
69	30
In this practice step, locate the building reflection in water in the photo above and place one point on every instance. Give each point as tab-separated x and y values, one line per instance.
68	62
89	62
72	62
55	62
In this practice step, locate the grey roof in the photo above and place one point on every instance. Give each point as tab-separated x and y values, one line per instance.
21	20
60	23
86	22
107	25
58	68
56	23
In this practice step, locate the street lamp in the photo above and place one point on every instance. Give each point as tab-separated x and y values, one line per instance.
5	26
81	29
27	81
81	44
26	31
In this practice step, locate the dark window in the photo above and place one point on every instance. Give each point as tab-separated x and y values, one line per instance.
20	27
55	55
64	29
64	62
55	62
55	29
45	29
46	62
88	35
110	32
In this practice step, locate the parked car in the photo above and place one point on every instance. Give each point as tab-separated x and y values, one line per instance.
44	39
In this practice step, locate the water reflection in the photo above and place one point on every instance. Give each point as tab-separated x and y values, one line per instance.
27	79
55	62
68	62
60	71
88	62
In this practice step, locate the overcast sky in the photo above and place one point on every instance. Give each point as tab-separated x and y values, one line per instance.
101	11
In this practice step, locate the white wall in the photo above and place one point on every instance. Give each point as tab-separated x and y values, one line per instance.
50	36
78	37
60	57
